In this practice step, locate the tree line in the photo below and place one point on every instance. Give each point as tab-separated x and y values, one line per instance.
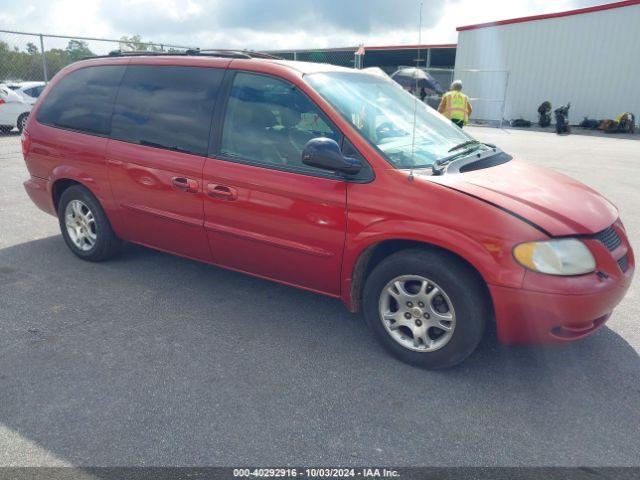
26	64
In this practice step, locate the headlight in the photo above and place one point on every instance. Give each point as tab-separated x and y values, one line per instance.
566	256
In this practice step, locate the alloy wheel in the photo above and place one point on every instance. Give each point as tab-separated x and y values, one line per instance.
81	225
417	313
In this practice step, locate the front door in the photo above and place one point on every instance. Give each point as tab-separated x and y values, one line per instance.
265	212
159	139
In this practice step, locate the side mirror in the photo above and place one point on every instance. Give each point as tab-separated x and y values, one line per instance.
325	153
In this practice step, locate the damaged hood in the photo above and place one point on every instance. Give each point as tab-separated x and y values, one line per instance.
554	202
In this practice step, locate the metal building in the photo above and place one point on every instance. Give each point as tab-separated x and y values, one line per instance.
589	56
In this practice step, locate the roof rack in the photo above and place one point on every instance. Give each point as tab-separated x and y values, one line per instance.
231	53
193	52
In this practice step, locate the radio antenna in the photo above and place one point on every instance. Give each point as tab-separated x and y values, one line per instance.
415	98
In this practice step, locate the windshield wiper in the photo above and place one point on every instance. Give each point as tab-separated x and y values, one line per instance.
438	164
474	144
464	144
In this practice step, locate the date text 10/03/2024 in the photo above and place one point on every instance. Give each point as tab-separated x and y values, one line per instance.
316	472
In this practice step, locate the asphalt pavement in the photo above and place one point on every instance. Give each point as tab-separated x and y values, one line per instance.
151	359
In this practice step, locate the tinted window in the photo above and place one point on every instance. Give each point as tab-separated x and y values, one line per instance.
270	121
83	100
166	107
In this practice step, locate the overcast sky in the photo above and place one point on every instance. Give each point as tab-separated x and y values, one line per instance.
268	24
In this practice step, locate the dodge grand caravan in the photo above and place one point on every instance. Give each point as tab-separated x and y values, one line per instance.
331	180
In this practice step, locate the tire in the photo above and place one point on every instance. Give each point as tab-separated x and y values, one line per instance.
5	128
22	121
453	290
91	236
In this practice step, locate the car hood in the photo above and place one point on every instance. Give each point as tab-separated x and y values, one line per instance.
553	202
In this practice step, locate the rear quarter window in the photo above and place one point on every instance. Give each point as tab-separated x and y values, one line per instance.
167	107
83	100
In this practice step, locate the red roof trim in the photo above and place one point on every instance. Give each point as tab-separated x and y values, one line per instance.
579	11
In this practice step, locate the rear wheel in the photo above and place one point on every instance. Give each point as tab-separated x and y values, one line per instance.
426	307
85	227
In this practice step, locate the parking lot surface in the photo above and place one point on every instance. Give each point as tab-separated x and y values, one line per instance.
151	359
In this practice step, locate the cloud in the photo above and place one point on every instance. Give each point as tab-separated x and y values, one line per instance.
268	24
364	17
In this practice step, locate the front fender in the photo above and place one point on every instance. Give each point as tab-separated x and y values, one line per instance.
488	254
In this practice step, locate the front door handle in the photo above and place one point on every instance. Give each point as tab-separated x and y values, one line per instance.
185	184
222	192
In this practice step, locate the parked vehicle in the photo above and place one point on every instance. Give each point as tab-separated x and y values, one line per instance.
13	110
562	119
29	91
316	176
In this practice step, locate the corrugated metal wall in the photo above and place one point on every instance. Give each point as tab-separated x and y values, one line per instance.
591	59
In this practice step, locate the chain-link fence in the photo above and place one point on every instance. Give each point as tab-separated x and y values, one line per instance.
342	57
486	89
38	57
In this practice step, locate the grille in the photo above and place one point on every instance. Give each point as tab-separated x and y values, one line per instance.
623	263
609	238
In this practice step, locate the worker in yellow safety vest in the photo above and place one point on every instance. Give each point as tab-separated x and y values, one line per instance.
455	105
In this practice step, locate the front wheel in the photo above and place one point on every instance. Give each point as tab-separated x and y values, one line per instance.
426	307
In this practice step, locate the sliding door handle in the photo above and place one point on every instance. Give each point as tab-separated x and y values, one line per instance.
185	184
222	192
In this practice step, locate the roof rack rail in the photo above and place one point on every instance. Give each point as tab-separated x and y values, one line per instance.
192	52
219	52
132	53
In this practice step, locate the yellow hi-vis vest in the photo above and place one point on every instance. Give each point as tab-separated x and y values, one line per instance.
456	106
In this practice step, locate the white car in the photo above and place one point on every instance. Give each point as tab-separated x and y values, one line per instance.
29	91
14	110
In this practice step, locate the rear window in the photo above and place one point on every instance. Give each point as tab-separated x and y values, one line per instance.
34	91
83	100
166	107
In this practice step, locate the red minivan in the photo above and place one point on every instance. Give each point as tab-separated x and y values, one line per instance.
329	179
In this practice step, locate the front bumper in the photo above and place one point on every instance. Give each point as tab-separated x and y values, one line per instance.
525	316
551	309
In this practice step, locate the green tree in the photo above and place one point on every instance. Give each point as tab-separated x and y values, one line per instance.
135	43
57	59
32	49
77	49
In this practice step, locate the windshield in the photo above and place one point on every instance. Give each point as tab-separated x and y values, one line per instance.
384	114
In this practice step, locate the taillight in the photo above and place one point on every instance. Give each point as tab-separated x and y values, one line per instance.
25	139
1	101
